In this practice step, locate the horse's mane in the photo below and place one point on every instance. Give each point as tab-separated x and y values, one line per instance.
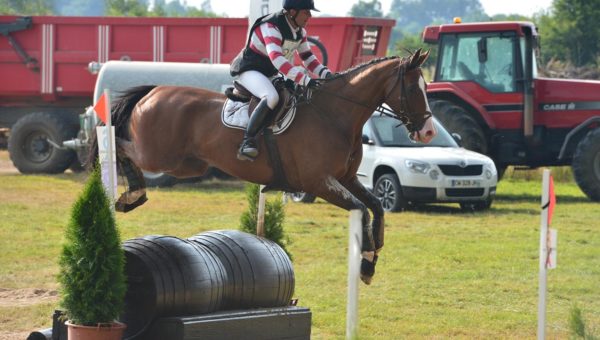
358	67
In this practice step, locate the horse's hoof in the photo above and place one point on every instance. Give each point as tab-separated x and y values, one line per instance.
130	200
367	270
366	279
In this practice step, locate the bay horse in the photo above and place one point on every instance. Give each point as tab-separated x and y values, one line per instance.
178	131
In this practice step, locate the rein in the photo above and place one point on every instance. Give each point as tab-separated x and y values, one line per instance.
382	110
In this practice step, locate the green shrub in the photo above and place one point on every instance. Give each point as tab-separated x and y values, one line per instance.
578	327
274	218
92	261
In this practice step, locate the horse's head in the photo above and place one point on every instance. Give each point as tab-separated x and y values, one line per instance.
407	96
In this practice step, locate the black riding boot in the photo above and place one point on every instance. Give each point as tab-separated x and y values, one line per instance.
249	149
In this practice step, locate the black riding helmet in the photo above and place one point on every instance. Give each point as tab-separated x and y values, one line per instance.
300	4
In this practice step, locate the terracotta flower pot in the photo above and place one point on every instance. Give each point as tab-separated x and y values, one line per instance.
105	331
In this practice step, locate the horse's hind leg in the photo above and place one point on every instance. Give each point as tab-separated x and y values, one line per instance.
136	185
334	192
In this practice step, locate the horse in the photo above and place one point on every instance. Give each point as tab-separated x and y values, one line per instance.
178	131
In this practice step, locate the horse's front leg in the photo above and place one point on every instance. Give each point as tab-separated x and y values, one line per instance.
372	202
334	192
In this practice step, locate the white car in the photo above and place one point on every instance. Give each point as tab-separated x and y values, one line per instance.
400	171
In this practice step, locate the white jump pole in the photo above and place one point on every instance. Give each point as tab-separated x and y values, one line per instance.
547	250
260	219
354	258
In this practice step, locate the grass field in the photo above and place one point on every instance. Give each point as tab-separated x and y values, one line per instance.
443	273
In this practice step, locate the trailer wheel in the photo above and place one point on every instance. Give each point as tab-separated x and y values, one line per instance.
321	48
158	179
28	144
586	165
456	120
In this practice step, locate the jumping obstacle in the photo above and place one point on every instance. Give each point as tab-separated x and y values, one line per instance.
181	284
215	285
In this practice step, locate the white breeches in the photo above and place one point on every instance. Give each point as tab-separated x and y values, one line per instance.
260	86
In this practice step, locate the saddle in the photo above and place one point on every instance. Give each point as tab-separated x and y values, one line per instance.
287	100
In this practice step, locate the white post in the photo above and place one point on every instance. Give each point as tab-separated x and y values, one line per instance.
106	150
259	8
112	180
354	258
541	332
260	220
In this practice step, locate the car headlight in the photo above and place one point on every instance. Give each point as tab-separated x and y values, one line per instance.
489	171
417	166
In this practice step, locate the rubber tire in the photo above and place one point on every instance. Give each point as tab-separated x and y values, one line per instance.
30	133
476	206
390	185
456	120
160	180
586	165
302	197
321	48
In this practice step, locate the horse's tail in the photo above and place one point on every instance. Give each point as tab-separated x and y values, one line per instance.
120	113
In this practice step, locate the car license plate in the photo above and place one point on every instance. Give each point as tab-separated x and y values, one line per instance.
465	183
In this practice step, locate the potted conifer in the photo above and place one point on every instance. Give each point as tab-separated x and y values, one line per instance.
92	264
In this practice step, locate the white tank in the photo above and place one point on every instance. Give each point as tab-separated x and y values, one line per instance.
118	76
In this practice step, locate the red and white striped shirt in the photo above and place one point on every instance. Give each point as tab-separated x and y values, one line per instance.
267	41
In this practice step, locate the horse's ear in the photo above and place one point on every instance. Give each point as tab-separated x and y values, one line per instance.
414	59
423	57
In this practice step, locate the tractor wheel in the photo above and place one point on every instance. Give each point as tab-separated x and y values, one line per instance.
456	120
586	165
28	144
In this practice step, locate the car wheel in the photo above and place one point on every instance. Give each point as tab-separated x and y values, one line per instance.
389	192
476	206
302	197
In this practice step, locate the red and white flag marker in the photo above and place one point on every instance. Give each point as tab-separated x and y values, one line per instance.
106	146
547	248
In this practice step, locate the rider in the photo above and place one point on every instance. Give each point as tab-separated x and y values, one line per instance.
270	50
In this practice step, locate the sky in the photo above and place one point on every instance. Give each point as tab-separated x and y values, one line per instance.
342	7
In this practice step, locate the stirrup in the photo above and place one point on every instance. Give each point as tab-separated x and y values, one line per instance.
247	152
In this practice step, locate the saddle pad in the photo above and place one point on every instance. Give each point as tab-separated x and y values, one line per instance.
235	115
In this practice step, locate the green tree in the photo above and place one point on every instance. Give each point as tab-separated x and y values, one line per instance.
366	8
412	42
79	7
92	263
128	8
571	32
274	217
28	7
413	15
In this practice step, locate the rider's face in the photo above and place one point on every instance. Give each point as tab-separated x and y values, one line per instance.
302	16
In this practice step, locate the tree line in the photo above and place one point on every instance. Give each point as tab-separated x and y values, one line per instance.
568	30
135	8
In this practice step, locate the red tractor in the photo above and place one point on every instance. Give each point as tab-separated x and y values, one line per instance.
487	89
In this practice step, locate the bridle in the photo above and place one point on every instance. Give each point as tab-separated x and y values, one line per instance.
402	116
411	126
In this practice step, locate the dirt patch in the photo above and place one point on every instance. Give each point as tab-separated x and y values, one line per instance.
26	297
6	165
12	336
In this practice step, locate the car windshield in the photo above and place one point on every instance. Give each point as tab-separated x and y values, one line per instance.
390	134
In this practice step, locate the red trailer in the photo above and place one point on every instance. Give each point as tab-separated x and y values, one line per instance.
46	81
